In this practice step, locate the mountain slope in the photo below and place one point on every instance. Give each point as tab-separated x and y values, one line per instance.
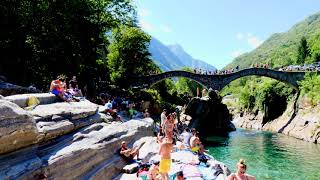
173	57
163	57
188	60
281	48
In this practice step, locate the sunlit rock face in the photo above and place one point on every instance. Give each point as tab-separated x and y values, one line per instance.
299	120
17	127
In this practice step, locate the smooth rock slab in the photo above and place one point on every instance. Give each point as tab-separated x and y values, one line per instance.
17	127
52	129
149	149
87	153
13	165
71	110
21	99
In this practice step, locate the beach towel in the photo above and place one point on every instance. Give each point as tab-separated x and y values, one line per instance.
190	171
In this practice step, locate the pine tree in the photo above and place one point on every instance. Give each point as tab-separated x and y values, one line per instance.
303	51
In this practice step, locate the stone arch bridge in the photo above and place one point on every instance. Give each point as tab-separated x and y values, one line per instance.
218	82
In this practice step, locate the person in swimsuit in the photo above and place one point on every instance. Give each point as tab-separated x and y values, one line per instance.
168	126
58	87
160	136
241	172
165	162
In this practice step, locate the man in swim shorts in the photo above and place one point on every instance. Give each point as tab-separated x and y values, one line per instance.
165	162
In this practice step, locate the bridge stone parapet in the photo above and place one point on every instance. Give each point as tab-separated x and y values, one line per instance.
218	82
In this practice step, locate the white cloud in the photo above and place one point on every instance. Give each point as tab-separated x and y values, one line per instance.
166	29
237	53
146	26
240	36
144	12
254	41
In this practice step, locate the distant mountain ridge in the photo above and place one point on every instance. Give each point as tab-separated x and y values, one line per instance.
174	57
280	49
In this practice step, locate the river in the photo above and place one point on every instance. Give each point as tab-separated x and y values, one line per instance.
268	155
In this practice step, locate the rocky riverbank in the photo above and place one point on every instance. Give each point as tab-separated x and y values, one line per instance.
299	120
73	141
62	140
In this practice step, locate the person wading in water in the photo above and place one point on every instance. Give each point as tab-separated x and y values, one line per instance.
241	172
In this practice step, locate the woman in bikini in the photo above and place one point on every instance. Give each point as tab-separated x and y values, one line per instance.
241	172
168	126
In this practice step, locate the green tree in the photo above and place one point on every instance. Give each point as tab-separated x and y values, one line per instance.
315	48
41	39
189	86
310	87
303	51
128	55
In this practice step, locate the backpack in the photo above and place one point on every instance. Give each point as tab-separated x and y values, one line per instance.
32	102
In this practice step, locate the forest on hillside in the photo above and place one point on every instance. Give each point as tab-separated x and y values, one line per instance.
298	46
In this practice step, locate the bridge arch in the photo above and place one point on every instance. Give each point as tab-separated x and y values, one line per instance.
218	82
153	79
289	78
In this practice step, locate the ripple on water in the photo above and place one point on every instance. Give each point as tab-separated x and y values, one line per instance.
268	155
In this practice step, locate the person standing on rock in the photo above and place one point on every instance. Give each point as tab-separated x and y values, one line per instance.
165	162
169	126
163	117
241	172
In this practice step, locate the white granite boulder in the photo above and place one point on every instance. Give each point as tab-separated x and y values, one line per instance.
92	151
70	110
149	149
21	99
17	127
59	126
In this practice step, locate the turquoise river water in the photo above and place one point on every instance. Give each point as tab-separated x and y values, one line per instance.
268	155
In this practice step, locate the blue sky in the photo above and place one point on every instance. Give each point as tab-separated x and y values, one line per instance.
216	31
